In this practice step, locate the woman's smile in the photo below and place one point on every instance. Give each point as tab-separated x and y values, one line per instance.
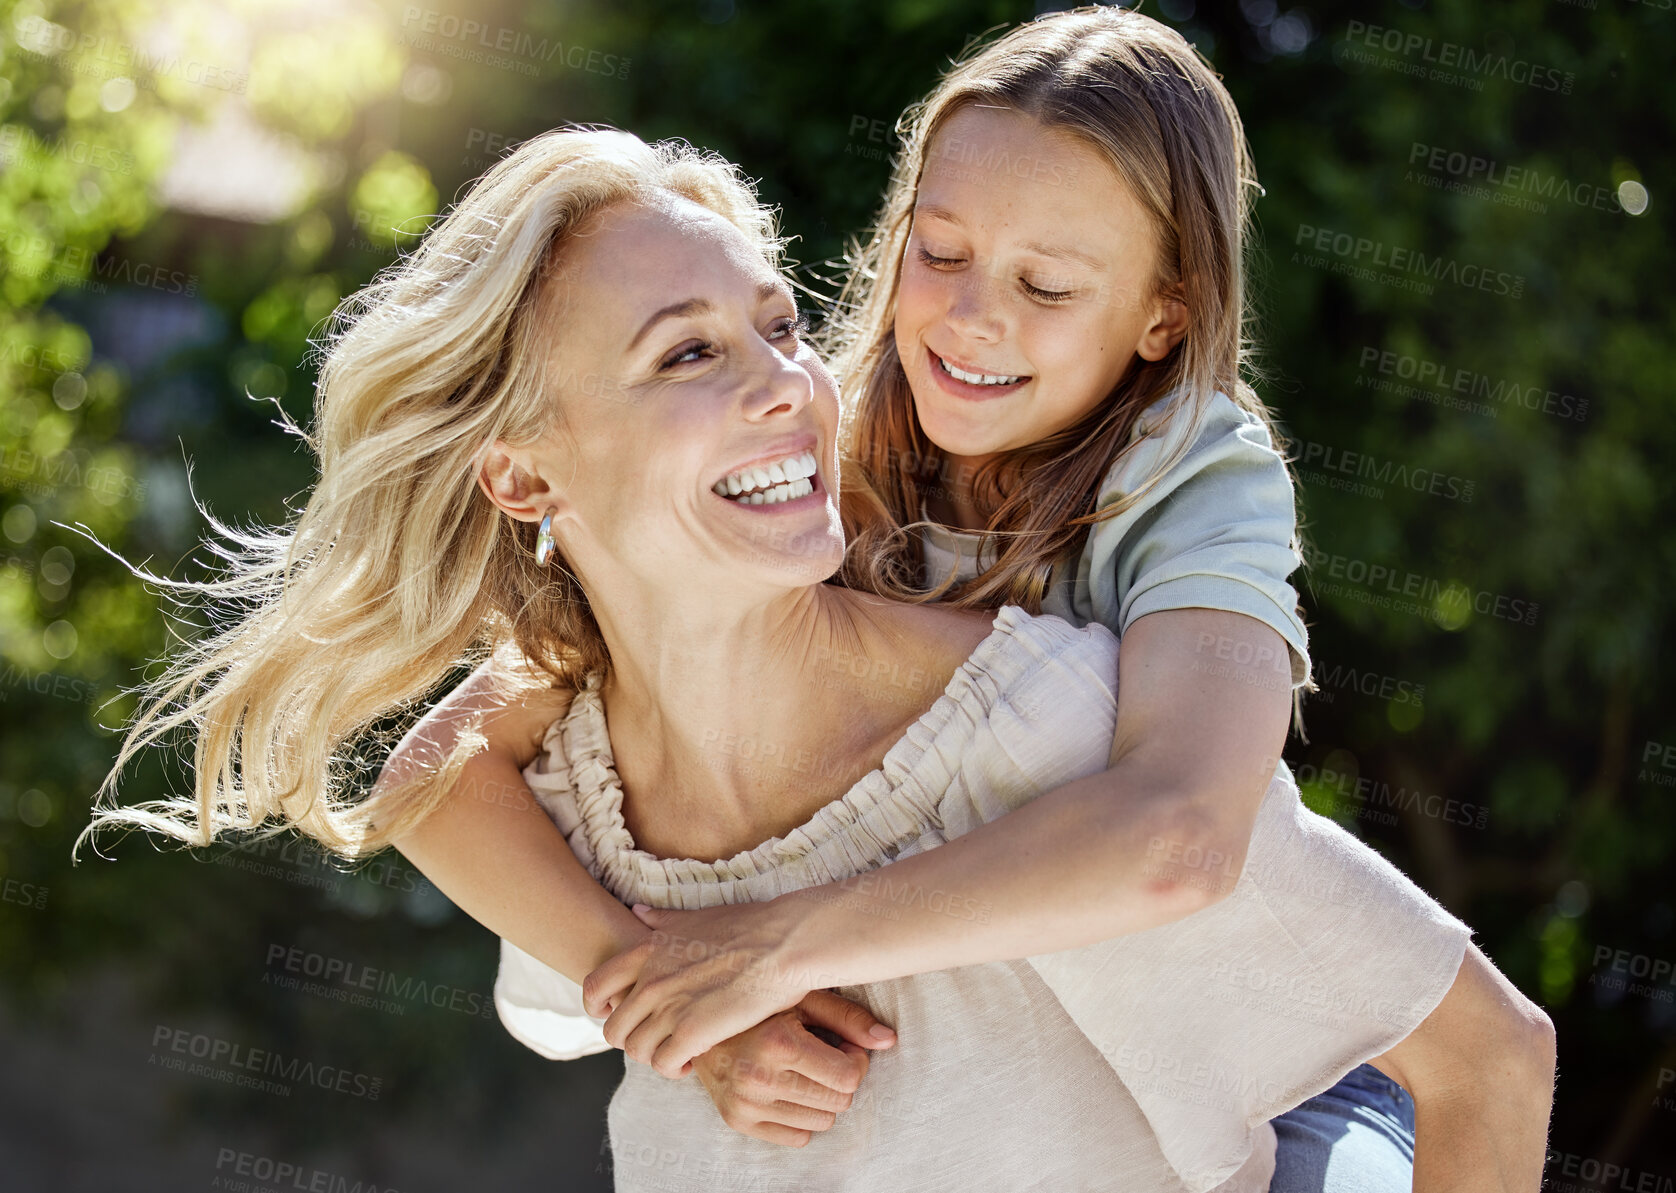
786	478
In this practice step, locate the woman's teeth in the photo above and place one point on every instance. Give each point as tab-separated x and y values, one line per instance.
768	484
975	378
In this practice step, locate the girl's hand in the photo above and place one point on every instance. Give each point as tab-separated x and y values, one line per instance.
778	1082
702	977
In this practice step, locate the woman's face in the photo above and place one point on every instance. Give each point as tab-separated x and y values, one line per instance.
1025	290
696	446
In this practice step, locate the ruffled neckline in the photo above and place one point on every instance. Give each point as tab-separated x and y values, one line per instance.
885	810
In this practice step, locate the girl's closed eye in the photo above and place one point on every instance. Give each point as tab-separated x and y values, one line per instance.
1043	294
929	258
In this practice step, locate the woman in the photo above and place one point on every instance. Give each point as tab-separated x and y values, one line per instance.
641	293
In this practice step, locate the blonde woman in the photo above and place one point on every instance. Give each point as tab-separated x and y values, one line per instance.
597	341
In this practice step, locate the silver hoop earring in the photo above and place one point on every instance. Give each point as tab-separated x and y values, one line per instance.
544	541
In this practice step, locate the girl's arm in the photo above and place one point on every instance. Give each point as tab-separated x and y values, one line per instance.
1203	709
1204	703
493	851
489	847
1481	1072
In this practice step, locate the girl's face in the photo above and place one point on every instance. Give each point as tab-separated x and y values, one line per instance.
1025	292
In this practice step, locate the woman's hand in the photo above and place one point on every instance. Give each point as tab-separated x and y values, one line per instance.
702	977
778	1081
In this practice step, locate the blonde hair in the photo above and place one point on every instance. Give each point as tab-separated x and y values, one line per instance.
398	571
1143	98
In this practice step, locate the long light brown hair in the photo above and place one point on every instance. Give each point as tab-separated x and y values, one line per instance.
399	571
1143	98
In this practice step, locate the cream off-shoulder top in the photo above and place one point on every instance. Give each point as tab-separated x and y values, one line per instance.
1149	1062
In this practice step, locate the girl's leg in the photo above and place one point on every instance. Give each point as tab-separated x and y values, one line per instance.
1357	1137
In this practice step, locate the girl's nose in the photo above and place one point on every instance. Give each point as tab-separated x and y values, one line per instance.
974	312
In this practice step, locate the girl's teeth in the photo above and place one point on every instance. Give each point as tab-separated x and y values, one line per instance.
975	378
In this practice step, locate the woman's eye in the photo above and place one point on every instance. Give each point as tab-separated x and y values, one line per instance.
935	261
1042	295
794	328
686	353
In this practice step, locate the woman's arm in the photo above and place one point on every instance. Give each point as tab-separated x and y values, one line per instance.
1481	1071
1204	704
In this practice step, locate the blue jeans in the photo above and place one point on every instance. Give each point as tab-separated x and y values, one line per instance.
1357	1137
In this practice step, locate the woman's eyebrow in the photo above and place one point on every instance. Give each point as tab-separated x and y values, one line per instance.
703	306
690	306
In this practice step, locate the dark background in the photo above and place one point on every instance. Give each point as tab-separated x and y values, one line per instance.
188	189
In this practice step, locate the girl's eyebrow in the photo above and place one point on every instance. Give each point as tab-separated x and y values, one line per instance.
1063	253
1058	252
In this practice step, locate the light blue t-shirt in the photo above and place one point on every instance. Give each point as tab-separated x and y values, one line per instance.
1218	531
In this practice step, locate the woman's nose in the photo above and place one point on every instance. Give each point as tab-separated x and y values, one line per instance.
782	386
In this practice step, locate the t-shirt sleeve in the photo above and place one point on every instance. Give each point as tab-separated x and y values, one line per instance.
1218	531
542	1009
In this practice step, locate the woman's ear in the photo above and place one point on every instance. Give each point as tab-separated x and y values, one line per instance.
1168	326
514	482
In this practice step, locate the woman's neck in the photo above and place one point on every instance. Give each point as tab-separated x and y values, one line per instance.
730	726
